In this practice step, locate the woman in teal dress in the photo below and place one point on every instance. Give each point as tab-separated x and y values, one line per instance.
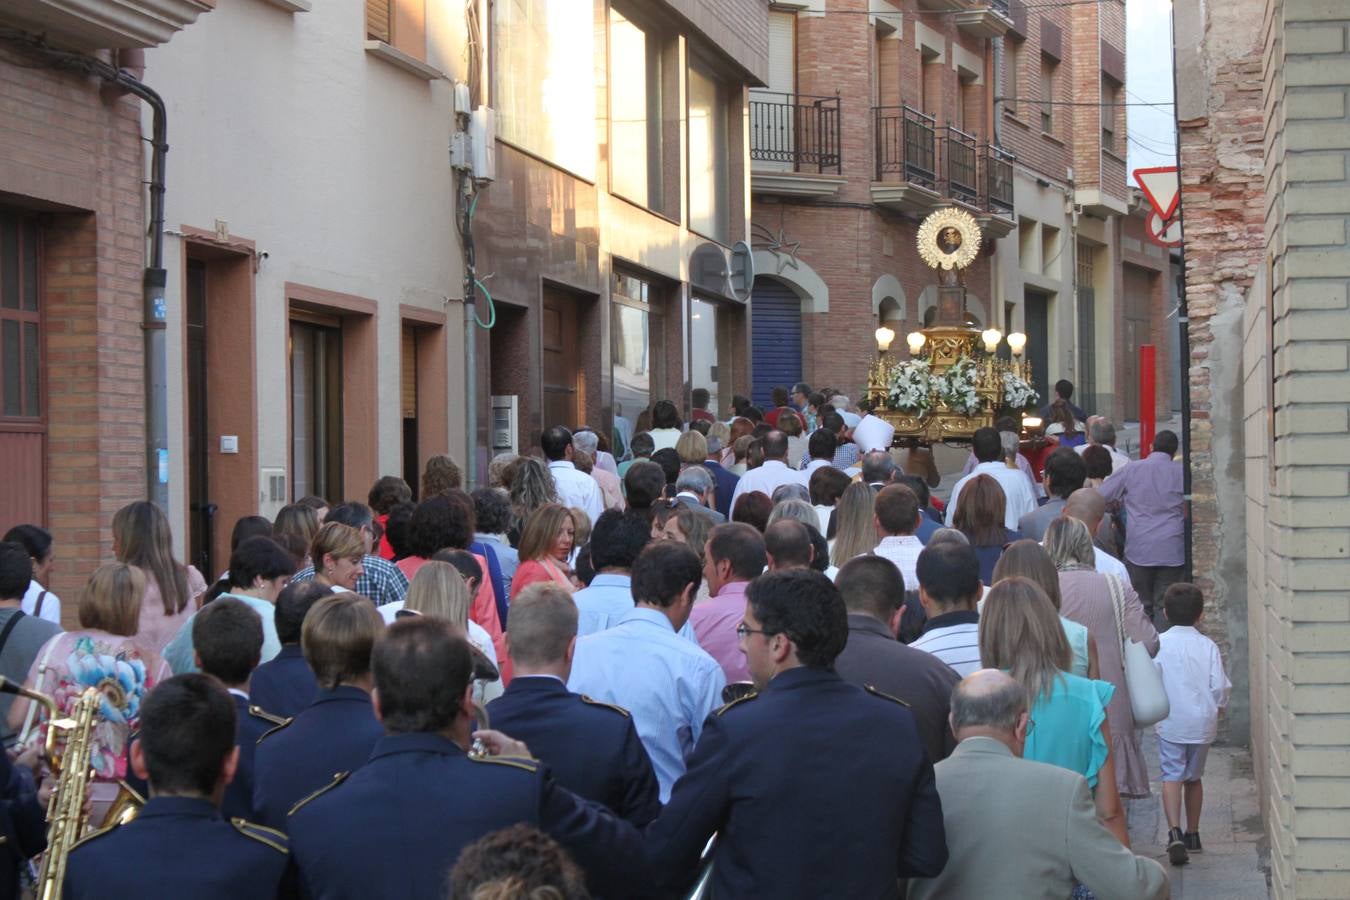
1028	559
1021	634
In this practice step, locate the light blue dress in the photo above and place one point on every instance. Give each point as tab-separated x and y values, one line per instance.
1077	635
1068	729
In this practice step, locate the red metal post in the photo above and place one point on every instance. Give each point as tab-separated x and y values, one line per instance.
1148	401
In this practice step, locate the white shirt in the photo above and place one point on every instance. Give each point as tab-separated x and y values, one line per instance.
1118	460
1109	565
1197	686
766	479
577	489
1021	499
903	550
51	604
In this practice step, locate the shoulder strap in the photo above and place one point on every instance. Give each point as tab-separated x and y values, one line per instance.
1118	606
495	572
9	626
37	607
33	707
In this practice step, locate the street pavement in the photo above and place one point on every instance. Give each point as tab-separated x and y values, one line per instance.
1235	862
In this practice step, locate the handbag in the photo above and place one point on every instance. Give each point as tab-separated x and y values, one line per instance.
1148	696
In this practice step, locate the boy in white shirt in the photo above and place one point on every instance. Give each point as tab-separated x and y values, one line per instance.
1197	688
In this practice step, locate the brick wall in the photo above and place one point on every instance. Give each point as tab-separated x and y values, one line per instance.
63	142
1047	154
1304	625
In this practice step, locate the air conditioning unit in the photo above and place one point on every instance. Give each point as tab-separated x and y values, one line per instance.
273	491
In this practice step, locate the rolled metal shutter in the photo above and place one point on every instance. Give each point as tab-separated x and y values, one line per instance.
776	342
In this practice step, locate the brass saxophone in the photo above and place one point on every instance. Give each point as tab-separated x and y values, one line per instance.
65	810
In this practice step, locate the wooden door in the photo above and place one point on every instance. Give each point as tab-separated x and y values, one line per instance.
561	372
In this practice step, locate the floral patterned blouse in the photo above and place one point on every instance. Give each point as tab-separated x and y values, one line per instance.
119	667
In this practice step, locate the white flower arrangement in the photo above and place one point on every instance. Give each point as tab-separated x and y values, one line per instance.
911	386
957	385
1018	392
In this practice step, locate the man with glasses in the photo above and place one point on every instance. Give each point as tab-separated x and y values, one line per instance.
776	773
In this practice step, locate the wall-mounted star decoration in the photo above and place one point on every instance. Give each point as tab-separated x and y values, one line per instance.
784	251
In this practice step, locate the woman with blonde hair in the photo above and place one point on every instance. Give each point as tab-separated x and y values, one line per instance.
1020	633
1028	559
141	538
103	653
338	552
545	545
531	488
1089	597
438	589
855	529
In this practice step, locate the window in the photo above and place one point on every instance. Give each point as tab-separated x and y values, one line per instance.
1048	67
703	339
20	319
543	83
1110	97
638	114
1016	50
400	23
637	351
708	152
316	409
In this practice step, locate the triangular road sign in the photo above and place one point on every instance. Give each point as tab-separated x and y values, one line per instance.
1162	187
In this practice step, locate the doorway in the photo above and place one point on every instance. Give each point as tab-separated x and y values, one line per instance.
1038	341
201	511
316	409
562	373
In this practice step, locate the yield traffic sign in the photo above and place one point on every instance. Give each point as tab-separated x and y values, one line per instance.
1162	187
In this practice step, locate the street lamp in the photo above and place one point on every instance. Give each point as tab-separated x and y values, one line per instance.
916	340
991	337
884	337
1017	342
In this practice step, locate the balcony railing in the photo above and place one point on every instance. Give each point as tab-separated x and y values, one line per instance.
998	181
1002	6
906	145
960	155
795	132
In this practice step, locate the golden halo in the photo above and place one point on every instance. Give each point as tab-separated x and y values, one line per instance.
932	251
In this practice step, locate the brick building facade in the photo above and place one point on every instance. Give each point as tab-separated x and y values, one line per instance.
72	234
1263	103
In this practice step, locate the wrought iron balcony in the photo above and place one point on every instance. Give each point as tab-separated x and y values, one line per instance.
960	166
794	144
906	159
998	181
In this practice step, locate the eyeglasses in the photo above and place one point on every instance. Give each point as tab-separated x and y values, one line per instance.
1031	725
743	630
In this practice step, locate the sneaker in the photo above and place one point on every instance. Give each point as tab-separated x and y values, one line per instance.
1176	848
1192	839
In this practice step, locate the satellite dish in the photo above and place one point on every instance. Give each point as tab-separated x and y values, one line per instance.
742	277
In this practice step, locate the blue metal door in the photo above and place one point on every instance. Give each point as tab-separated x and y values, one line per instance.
776	320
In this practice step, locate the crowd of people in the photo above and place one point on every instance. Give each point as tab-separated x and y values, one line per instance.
762	644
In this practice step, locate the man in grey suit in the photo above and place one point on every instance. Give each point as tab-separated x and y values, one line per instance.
1065	472
696	488
1017	828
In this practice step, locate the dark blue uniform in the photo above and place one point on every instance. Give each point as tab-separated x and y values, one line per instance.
179	847
250	723
285	685
395	827
815	787
23	824
726	487
591	748
335	734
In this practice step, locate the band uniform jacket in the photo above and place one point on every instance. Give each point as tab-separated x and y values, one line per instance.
284	685
250	724
873	656
815	787
591	748
180	847
1028	830
396	826
335	734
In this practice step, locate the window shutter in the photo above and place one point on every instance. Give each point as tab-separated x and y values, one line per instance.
379	15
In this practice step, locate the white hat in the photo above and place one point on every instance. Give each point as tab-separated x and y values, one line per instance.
873	433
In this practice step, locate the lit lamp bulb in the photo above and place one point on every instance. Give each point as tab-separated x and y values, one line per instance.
884	337
991	337
916	340
1017	342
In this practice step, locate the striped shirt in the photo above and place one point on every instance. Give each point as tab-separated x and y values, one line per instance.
953	638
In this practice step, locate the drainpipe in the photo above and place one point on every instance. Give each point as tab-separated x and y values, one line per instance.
124	77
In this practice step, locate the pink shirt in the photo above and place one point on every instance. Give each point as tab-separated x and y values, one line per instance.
715	624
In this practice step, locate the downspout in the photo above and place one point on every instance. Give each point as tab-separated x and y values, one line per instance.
1183	323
